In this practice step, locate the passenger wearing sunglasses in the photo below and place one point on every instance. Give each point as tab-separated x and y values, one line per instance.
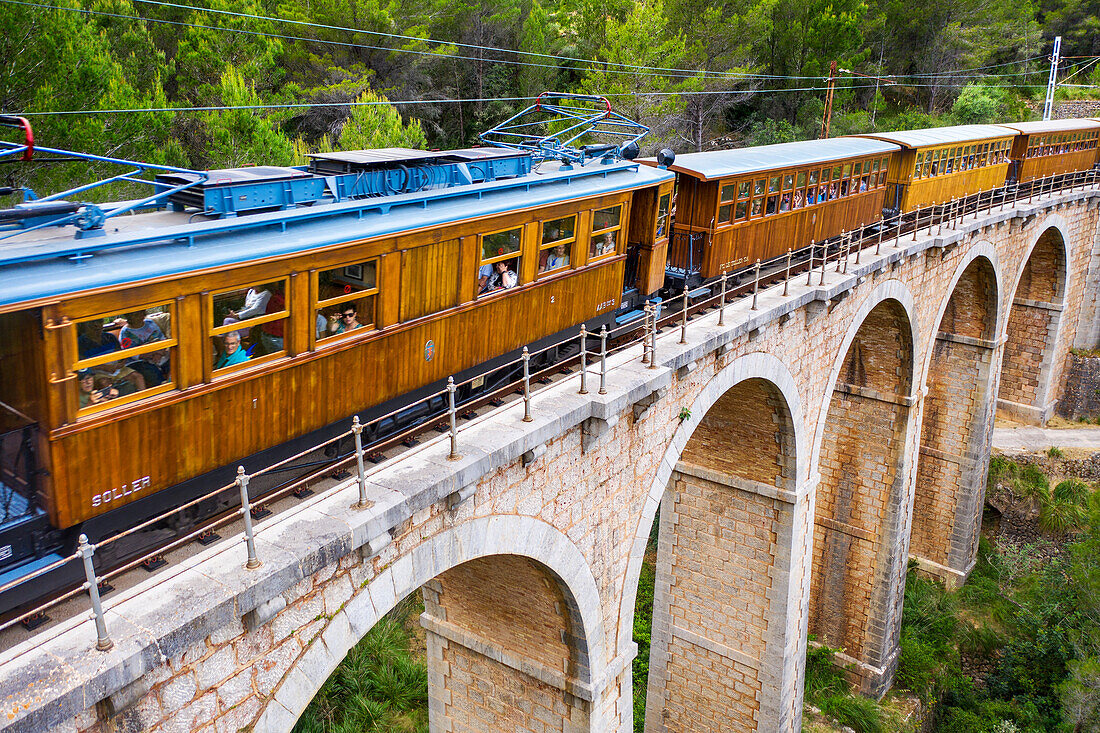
346	320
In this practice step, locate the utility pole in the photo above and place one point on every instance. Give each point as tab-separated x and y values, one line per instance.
828	114
826	118
1049	106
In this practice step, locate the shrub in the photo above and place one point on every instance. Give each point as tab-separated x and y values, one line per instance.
1055	452
859	713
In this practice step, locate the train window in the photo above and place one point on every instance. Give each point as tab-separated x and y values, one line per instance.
500	260
788	181
124	357
845	187
772	205
813	177
346	300
863	183
662	216
606	225
743	190
256	314
811	195
725	210
836	172
558	235
801	179
742	210
785	201
858	168
757	207
758	188
773	184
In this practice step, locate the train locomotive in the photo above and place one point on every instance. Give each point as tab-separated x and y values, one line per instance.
150	346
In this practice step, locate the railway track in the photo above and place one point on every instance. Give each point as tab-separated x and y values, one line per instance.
325	465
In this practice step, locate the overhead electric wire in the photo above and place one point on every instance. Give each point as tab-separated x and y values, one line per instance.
398	36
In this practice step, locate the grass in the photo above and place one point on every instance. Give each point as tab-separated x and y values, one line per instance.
380	687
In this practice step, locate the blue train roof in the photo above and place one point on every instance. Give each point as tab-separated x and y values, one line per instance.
722	163
49	262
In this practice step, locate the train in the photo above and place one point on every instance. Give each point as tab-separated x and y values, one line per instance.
149	346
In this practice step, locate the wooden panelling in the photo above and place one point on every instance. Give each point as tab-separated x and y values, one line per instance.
22	366
938	189
1049	165
429	279
220	426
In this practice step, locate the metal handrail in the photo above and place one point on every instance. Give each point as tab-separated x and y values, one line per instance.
951	213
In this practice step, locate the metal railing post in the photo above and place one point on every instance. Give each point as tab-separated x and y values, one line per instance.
653	337
943	215
246	513
1031	191
916	223
86	550
841	250
526	385
810	269
603	360
881	230
645	332
859	246
452	416
931	218
824	260
684	318
755	285
584	359
357	431
897	240
787	276
722	302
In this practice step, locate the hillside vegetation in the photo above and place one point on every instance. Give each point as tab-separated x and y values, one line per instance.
308	76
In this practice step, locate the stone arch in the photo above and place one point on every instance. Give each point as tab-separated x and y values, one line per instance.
956	420
888	290
741	509
862	498
1031	330
524	540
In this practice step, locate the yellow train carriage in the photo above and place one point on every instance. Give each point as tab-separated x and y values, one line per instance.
1052	147
945	163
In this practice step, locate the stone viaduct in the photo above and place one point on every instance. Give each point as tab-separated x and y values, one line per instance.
798	457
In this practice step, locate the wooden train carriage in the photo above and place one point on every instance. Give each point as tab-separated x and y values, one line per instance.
165	353
1052	147
944	163
739	206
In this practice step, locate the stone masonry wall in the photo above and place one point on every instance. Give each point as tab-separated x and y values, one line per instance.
1081	395
595	489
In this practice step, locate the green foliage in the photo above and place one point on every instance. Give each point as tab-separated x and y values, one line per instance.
1055	452
857	712
643	622
771	131
374	123
983	104
379	687
823	678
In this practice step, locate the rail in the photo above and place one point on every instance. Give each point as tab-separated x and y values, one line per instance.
813	262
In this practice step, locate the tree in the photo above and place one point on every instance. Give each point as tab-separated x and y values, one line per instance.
374	123
642	39
238	137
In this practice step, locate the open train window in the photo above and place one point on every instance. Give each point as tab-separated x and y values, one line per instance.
247	322
556	246
663	204
122	357
501	253
347	300
606	225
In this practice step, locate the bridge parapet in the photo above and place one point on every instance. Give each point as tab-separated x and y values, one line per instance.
209	643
